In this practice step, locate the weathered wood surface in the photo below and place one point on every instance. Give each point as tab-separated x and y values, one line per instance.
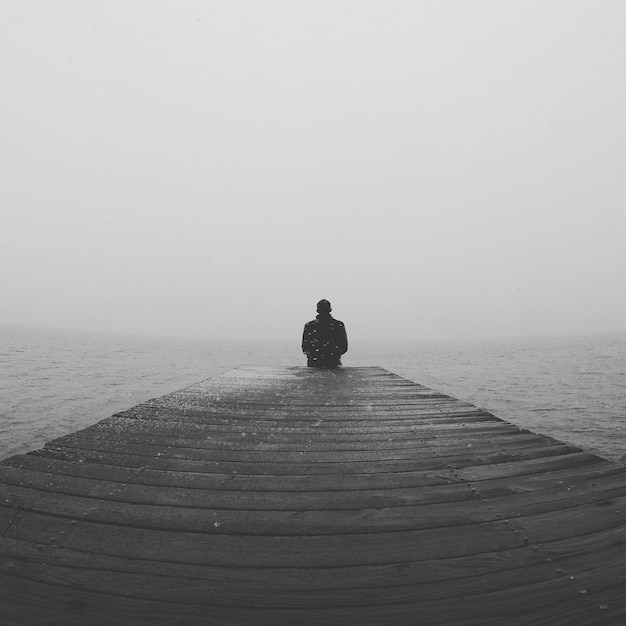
298	496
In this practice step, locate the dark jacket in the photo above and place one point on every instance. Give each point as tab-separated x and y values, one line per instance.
324	341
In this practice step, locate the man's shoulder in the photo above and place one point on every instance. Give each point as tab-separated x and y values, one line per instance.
316	322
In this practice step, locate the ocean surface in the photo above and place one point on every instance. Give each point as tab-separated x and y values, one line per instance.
53	382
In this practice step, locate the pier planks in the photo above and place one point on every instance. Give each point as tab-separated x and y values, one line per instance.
298	496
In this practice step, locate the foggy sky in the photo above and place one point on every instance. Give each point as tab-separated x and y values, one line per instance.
213	168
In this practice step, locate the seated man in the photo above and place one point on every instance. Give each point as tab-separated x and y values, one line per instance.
324	339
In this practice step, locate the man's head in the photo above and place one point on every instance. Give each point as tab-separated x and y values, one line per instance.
323	307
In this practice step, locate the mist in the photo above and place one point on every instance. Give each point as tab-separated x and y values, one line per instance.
213	169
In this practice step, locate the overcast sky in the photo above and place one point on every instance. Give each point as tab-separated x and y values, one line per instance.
213	168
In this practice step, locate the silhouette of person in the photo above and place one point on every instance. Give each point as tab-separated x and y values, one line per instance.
324	339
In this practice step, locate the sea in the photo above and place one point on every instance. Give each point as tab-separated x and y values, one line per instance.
572	388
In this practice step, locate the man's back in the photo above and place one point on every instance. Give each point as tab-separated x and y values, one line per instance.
324	339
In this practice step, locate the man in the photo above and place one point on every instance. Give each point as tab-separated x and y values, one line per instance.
324	339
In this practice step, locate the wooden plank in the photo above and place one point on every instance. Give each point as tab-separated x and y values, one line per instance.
188	449
128	490
291	495
511	471
265	549
164	461
316	521
185	434
151	585
565	557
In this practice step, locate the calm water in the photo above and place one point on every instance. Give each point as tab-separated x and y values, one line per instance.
53	382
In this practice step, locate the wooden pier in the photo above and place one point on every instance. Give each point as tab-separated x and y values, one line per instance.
297	496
